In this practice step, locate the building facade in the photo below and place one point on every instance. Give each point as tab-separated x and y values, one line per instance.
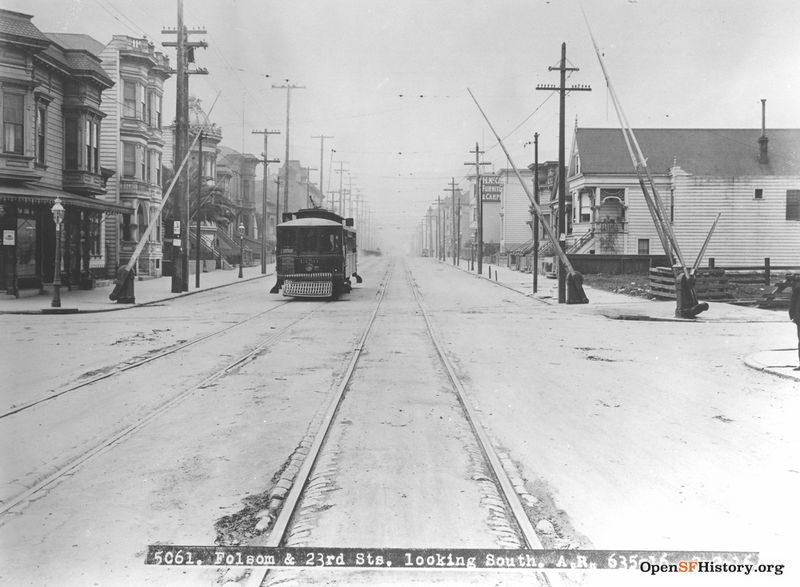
132	143
751	177
51	88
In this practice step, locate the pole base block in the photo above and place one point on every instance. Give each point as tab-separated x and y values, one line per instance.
123	292
575	293
687	306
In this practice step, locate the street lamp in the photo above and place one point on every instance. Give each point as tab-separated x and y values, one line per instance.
241	248
58	218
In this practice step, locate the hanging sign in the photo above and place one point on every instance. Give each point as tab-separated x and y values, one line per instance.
9	237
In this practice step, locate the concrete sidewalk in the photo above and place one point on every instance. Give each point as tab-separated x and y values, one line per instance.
146	291
780	362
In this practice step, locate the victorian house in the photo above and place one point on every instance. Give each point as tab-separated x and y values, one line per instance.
50	89
132	143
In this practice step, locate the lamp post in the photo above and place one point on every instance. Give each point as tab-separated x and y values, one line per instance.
58	218
241	248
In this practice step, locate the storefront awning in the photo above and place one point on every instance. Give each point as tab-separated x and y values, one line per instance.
41	195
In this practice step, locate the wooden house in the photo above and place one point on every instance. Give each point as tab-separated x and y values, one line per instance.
751	176
50	97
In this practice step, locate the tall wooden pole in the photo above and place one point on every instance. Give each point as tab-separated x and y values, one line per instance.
534	216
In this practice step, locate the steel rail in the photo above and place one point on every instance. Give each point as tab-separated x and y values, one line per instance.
505	486
117	437
128	365
277	533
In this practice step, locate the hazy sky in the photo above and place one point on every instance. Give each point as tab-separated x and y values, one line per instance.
365	63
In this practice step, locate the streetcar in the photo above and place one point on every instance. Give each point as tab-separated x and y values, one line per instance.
315	254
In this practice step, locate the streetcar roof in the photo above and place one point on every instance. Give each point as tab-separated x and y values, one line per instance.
311	222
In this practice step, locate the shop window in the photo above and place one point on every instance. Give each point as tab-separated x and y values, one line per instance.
95	248
13	122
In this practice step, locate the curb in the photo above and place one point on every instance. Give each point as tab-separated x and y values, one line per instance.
508	287
73	310
751	362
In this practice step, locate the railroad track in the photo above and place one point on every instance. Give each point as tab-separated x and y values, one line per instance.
117	369
118	436
278	533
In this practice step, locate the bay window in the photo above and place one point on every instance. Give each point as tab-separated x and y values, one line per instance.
13	122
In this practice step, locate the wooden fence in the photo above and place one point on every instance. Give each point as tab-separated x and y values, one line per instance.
717	283
710	284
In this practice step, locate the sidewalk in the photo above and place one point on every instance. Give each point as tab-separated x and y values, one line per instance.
146	291
779	362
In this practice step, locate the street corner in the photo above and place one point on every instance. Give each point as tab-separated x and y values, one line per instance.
779	362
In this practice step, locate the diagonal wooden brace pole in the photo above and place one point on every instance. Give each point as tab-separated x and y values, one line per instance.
548	231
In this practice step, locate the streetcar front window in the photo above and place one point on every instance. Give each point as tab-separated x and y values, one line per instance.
286	240
307	241
330	241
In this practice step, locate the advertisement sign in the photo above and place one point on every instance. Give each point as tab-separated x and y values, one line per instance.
9	237
491	188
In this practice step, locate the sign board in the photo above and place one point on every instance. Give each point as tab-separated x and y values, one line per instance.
9	237
176	228
176	242
491	188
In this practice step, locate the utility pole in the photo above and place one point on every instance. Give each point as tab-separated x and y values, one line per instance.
185	55
479	202
341	171
429	216
534	216
562	174
265	161
321	150
458	231
438	228
277	206
288	87
452	190
308	185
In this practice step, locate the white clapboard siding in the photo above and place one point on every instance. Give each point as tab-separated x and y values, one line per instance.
517	209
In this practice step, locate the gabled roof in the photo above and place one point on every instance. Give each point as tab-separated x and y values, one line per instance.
713	152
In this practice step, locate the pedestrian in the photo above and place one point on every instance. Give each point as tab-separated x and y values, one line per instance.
794	310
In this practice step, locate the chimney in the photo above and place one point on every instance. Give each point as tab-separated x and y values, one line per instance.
763	140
